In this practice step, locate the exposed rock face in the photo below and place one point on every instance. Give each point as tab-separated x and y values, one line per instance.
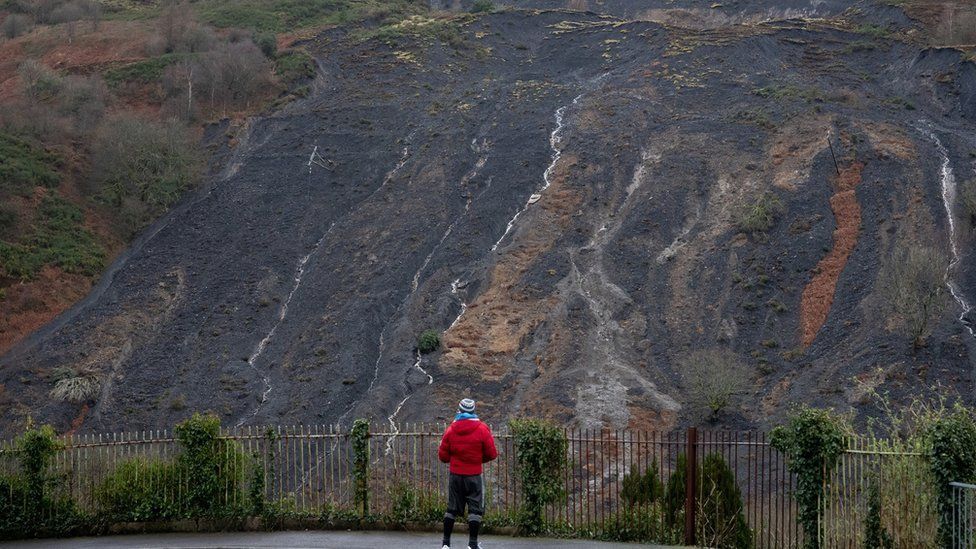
559	194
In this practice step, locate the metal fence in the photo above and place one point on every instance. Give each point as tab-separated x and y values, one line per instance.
963	517
887	478
307	471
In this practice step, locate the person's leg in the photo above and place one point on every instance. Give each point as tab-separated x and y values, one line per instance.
476	508
455	498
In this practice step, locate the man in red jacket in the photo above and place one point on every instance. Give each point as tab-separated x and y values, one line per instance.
467	443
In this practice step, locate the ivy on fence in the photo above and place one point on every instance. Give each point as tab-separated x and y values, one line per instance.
812	440
540	453
951	444
360	467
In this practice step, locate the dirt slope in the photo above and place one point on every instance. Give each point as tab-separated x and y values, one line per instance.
399	196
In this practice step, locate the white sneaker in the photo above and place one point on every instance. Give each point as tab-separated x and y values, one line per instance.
446	547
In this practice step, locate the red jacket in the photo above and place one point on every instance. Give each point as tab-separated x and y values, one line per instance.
466	444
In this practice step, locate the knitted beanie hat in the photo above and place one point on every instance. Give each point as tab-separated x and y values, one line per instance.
466	406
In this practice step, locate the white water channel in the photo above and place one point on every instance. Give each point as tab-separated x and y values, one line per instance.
299	274
555	138
482	150
948	180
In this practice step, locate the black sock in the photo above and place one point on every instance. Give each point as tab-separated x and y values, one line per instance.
448	527
473	528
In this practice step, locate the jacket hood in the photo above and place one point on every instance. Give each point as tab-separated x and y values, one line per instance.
466	426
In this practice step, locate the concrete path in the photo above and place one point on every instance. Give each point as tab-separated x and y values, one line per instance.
306	540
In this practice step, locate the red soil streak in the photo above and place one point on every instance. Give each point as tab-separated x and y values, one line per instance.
818	296
76	422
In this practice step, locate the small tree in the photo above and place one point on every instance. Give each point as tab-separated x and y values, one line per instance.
540	463
912	283
713	377
40	82
721	517
642	488
674	494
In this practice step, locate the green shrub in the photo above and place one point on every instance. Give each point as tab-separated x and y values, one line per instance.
24	166
58	238
482	6
214	469
812	442
642	488
759	216
267	42
140	490
540	463
951	453
428	341
639	524
721	520
410	504
30	501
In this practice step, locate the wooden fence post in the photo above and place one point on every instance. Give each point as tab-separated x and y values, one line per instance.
691	484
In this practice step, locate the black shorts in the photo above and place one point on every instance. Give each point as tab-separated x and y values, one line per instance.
465	491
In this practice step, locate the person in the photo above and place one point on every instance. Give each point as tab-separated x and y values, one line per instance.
467	444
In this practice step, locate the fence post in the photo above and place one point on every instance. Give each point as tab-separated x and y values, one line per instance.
691	484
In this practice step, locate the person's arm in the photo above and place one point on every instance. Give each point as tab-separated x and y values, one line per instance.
488	450
444	452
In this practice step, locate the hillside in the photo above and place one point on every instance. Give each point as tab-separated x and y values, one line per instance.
612	215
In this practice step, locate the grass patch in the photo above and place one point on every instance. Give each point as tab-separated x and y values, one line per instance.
58	238
294	67
422	29
24	166
291	15
874	31
759	216
142	72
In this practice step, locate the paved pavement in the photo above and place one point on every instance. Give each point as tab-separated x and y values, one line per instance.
306	540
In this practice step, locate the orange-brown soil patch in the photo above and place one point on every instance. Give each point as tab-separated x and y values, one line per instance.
793	148
818	296
78	420
31	305
491	331
643	419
